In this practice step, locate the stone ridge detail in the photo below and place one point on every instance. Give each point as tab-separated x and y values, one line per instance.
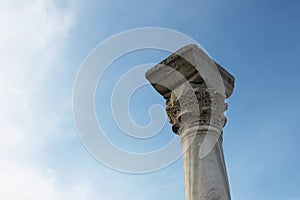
211	108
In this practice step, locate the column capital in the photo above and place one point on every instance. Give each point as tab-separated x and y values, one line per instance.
188	77
182	114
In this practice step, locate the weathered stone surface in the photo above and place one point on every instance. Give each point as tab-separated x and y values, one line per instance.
195	88
187	60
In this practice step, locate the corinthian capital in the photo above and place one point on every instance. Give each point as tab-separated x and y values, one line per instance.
211	107
195	88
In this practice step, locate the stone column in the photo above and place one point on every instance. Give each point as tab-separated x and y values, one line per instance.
195	88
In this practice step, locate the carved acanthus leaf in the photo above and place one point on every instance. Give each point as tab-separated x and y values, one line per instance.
201	106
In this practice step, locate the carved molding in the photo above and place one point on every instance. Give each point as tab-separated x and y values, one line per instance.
210	104
191	82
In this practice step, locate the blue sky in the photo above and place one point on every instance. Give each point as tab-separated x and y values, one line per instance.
42	45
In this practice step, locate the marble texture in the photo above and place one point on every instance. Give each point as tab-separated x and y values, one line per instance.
195	88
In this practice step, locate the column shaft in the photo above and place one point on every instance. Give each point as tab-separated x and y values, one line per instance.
205	178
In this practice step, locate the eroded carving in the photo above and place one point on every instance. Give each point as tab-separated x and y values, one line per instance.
210	104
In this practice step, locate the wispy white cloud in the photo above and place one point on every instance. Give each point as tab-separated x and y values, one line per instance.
31	39
20	182
30	182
